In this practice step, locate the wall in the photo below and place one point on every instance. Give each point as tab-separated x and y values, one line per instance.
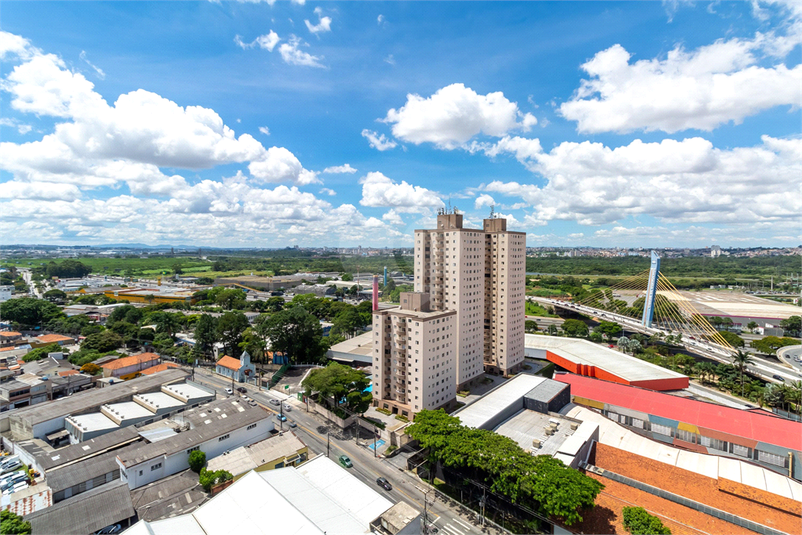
342	424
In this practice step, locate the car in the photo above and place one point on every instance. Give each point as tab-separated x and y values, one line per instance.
293	424
383	483
245	398
241	390
109	530
252	403
345	461
778	377
281	418
274	402
287	407
9	466
229	391
17	477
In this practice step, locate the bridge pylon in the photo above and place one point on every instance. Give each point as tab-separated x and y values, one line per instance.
651	291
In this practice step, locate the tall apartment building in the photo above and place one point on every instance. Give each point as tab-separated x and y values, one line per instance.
414	355
480	274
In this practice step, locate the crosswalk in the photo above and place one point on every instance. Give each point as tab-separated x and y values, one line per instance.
452	526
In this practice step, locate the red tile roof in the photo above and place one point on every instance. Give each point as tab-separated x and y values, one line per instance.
229	362
10	334
51	338
754	426
124	362
771	510
159	368
68	372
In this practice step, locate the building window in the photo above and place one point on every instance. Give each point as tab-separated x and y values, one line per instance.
190	450
713	443
661	429
155	467
771	458
741	451
687	436
223	438
251	427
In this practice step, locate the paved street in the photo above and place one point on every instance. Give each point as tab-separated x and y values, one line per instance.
319	436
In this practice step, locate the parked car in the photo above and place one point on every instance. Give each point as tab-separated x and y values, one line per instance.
287	407
10	466
779	378
229	391
252	403
345	461
109	530
293	424
383	483
16	477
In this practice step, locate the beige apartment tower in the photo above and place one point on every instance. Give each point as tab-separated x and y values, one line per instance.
481	275
414	353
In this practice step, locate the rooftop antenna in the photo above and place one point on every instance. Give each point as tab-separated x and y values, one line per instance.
449	211
492	211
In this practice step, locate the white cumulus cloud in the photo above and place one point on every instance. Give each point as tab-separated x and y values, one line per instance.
265	130
381	191
340	169
455	114
267	41
378	141
483	200
292	55
323	25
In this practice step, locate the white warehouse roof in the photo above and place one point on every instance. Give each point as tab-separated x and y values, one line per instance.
481	412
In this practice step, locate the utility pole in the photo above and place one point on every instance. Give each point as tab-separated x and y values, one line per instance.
328	443
482	503
374	442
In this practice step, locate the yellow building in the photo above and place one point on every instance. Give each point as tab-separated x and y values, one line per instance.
278	451
151	296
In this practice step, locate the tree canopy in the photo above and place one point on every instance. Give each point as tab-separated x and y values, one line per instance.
541	482
29	312
340	384
575	328
295	332
13	524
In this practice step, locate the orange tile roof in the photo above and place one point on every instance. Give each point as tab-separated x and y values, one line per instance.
68	372
159	368
772	510
48	338
124	362
10	348
229	362
10	334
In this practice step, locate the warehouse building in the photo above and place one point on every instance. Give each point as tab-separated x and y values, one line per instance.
593	360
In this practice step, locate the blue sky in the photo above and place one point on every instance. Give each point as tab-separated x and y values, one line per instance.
243	124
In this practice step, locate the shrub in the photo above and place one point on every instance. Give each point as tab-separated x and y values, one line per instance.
13	523
638	522
197	460
207	479
91	368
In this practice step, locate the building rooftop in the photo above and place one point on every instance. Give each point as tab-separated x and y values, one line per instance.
158	400
607	361
186	391
90	399
229	362
64	477
247	458
159	368
86	513
129	410
133	360
89	448
484	412
92	422
9	334
528	425
212	420
754	426
54	338
358	348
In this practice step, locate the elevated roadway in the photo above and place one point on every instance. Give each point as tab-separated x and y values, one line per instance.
764	369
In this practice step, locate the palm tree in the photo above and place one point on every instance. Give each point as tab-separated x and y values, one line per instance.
741	360
796	395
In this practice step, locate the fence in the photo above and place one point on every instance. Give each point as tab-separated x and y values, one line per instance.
787	414
278	375
696	506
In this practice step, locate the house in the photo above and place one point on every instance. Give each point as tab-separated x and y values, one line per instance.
47	339
128	365
239	370
9	337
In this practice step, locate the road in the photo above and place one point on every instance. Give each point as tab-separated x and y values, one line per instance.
789	355
321	437
27	276
766	370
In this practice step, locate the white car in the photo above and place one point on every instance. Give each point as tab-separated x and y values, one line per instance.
229	391
286	407
9	466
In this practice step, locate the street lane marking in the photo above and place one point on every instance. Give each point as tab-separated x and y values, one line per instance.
466	526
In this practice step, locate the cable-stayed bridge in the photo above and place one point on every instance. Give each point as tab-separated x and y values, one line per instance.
649	303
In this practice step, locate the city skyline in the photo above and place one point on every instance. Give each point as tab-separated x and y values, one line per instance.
274	124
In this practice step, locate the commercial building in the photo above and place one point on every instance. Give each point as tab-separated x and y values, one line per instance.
414	356
261	283
47	339
125	366
593	360
237	369
315	498
767	441
356	350
480	274
214	428
151	295
40	420
284	449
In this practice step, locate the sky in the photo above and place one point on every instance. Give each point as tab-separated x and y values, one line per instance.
275	124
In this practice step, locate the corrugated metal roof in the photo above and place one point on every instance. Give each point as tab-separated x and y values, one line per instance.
761	428
73	474
86	512
481	411
546	391
74	452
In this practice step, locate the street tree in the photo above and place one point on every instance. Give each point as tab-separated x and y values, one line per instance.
296	333
29	312
741	360
609	329
575	328
205	333
197	460
230	327
13	524
103	342
530	326
792	325
733	339
337	384
752	325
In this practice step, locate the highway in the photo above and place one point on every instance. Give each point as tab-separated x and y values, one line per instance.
321	437
764	369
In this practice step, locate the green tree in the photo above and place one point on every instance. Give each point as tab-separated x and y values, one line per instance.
29	312
530	326
41	352
706	370
338	383
295	332
230	327
638	522
733	339
348	322
575	328
13	524
770	344
792	325
347	277
197	460
205	333
275	304
609	329
103	342
55	295
126	313
752	326
208	479
231	299
741	360
178	269
685	362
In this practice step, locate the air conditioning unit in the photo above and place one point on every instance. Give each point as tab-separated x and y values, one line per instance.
549	430
536	443
574	426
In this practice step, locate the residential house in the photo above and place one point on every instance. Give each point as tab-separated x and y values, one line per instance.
239	370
